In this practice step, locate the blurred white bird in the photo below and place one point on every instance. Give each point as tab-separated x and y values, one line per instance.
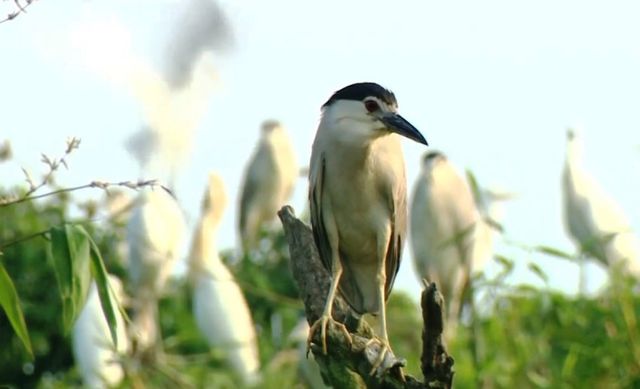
595	222
220	309
268	183
307	367
172	116
96	356
155	234
443	219
118	205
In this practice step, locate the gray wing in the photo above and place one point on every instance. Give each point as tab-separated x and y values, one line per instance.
249	191
316	187
253	183
398	207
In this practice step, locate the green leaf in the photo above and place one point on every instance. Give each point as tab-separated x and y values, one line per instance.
554	252
538	271
99	273
504	261
11	306
69	254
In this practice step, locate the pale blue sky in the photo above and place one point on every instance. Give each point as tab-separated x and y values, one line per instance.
494	84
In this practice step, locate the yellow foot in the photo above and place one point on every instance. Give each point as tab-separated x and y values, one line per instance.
322	323
384	349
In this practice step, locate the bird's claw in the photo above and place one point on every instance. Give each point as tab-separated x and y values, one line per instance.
322	322
385	349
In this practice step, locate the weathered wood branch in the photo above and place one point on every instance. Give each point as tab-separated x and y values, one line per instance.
347	365
436	364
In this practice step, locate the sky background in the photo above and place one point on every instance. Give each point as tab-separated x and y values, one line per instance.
493	84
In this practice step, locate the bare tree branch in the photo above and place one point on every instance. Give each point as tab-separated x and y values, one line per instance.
437	365
20	8
4	202
347	365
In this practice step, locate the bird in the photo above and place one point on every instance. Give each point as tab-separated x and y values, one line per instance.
155	237
443	221
95	354
269	181
593	219
357	198
219	306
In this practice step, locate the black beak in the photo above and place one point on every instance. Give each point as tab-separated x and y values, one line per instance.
401	126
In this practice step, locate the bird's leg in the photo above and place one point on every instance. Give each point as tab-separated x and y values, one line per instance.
384	347
326	314
381	278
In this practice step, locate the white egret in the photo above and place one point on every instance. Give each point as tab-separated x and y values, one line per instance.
219	307
98	359
444	219
593	219
155	235
268	183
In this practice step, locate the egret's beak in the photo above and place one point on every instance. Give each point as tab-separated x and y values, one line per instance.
401	126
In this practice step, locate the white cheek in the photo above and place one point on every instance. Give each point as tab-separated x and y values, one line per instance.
350	130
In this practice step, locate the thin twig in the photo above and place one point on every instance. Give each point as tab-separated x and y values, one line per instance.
93	184
21	9
23	238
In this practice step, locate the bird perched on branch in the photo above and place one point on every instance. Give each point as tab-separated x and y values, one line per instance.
155	235
268	183
357	195
595	222
444	219
96	355
219	307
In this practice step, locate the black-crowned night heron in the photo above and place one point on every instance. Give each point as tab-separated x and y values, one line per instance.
443	219
357	196
268	183
594	220
155	234
95	354
219	307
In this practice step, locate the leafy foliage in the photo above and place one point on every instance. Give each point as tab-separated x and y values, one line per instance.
518	336
35	283
11	306
543	338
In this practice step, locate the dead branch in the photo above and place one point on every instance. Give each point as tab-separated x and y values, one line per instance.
348	365
437	365
19	8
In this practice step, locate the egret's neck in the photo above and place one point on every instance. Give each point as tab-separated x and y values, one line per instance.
204	250
574	154
575	171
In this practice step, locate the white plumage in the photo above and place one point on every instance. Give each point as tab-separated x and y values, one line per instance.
155	234
268	183
95	354
443	218
594	220
219	307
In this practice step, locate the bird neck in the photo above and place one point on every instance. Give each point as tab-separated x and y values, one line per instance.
574	153
574	163
204	249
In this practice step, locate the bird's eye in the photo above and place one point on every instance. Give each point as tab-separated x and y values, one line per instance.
371	105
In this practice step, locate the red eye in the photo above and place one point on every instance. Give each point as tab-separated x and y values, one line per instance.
371	105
